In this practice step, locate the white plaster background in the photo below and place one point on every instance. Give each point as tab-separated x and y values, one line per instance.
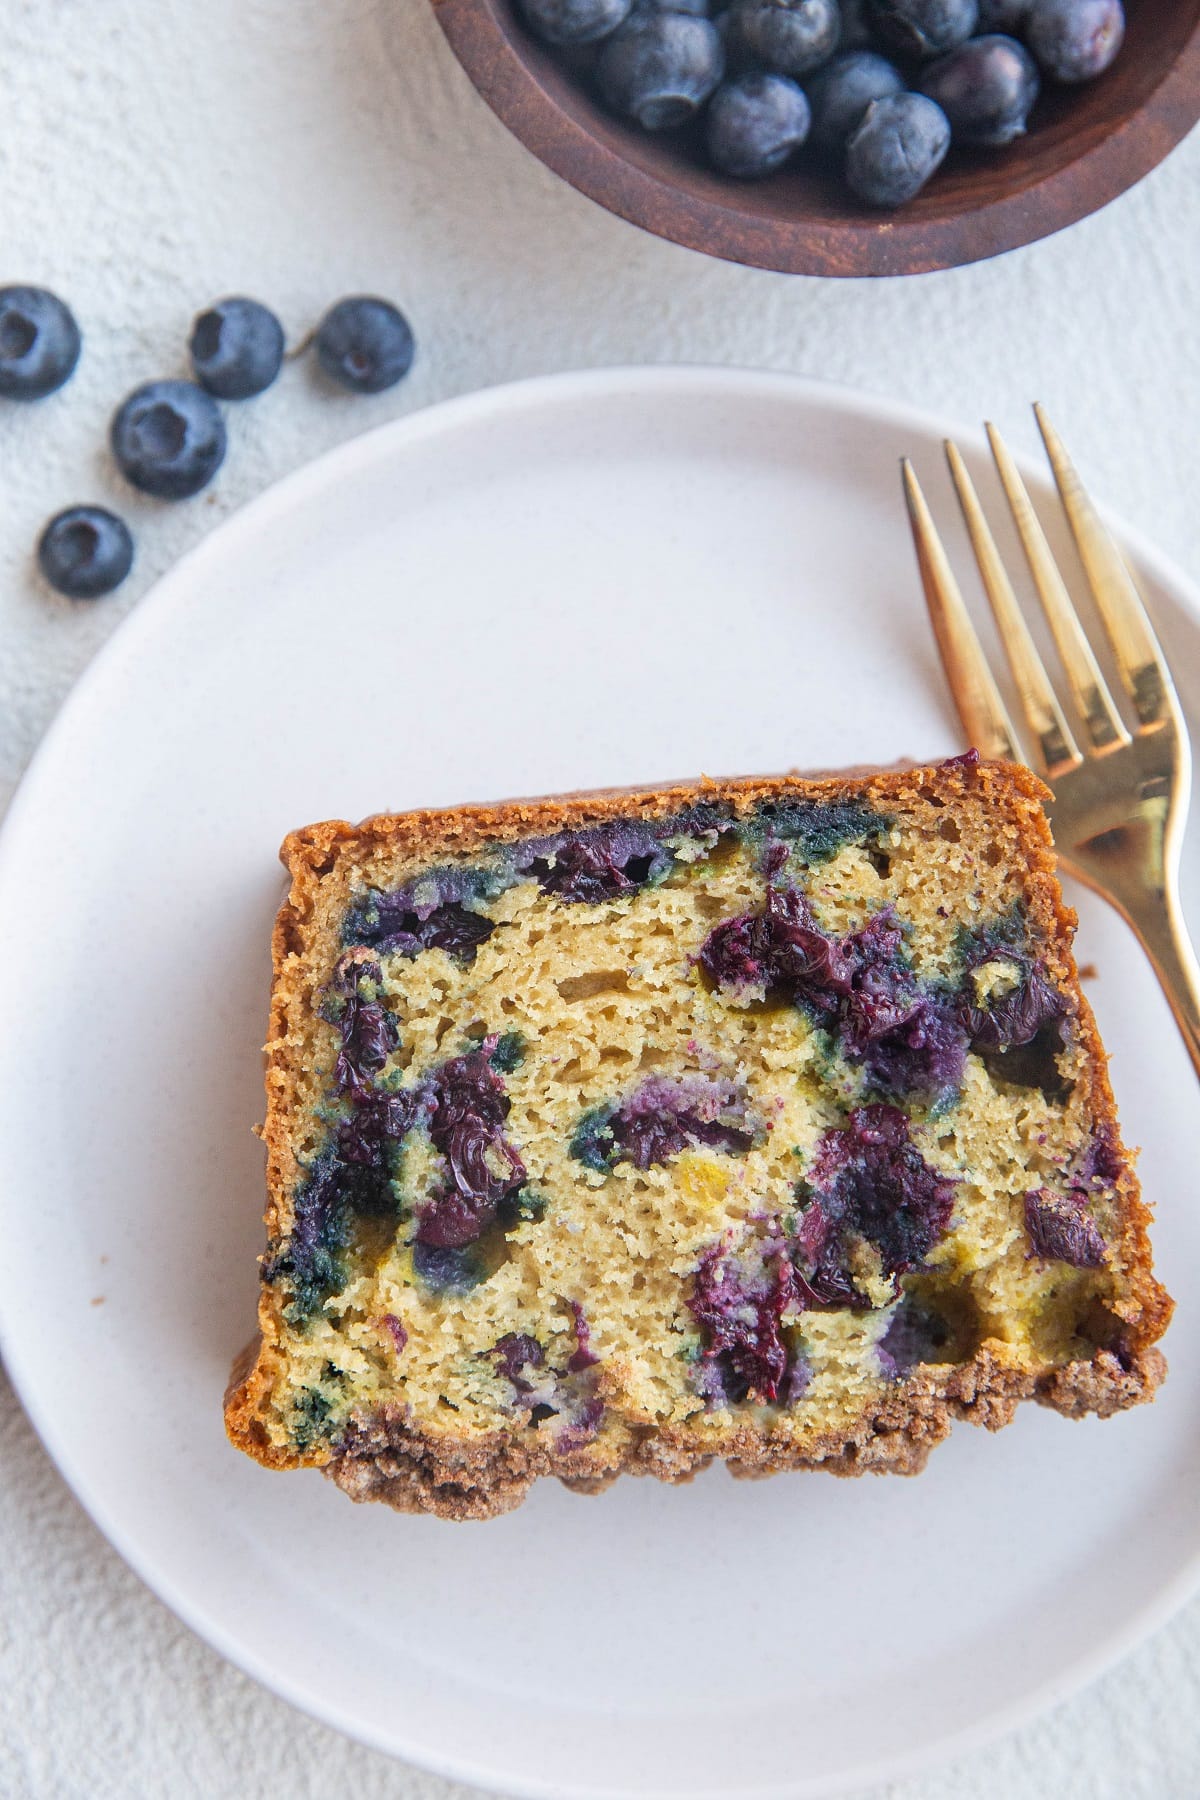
155	154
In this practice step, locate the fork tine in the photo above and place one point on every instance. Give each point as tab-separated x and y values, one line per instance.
984	716
1139	659
1088	686
1059	751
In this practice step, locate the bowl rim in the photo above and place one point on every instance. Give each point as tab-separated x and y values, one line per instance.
878	246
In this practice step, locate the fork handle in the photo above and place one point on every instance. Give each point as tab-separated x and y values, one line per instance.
1165	939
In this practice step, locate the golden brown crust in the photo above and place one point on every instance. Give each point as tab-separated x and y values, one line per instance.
384	1458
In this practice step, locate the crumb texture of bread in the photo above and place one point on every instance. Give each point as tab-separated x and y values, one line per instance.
761	1120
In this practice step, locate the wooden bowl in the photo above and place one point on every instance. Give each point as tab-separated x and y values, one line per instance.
1086	145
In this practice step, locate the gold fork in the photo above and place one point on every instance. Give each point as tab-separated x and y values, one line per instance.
1120	803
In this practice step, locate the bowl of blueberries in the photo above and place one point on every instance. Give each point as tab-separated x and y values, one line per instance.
840	137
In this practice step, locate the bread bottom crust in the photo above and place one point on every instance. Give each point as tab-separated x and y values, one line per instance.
384	1458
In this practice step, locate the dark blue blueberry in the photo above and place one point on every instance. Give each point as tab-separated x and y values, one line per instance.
841	93
365	344
755	123
986	89
856	29
39	343
1075	40
1060	1229
790	36
236	348
924	27
85	552
1002	15
660	68
168	438
699	9
900	143
573	21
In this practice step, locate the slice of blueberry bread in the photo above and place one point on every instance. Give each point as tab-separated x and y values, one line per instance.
761	1120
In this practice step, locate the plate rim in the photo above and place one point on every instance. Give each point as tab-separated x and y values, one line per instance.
175	589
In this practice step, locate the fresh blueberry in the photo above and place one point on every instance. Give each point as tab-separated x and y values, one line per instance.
365	344
574	21
699	9
85	552
1002	15
841	92
39	343
924	27
1075	40
856	27
789	36
236	348
168	438
985	88
754	123
660	67
896	148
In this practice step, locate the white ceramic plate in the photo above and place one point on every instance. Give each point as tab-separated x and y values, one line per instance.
587	580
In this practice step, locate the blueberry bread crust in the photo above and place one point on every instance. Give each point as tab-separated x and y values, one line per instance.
761	1120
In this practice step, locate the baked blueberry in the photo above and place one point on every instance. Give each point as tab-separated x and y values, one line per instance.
365	344
899	144
1002	15
986	89
924	27
790	36
1075	40
39	343
660	67
236	348
573	21
168	438
754	123
85	551
841	92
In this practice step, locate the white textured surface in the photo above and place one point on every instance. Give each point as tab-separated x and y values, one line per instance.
153	157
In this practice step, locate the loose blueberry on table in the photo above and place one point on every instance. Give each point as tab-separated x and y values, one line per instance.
85	551
365	344
236	348
168	439
39	343
768	78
